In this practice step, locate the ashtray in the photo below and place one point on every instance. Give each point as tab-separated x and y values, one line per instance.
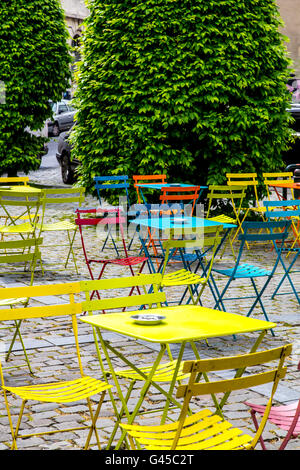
147	319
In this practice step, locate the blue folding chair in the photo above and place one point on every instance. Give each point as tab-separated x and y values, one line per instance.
287	210
253	231
109	183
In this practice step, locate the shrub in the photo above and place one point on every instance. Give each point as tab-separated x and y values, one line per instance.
34	66
191	89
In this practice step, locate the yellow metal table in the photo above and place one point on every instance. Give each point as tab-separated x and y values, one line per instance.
182	324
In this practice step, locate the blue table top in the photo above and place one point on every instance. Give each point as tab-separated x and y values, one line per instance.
166	223
162	185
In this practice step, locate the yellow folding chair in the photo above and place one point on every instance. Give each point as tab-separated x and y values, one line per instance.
25	253
206	430
247	180
63	391
272	178
146	299
19	205
8	180
60	199
229	198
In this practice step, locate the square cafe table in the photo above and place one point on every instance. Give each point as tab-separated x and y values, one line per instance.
182	324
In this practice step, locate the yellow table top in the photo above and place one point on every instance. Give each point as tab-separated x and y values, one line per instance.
182	323
19	188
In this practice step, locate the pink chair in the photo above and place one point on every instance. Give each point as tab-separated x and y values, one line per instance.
286	417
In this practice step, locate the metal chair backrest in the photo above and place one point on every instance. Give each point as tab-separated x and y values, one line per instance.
253	378
272	178
147	179
24	180
282	209
21	204
186	197
143	280
246	180
107	183
233	193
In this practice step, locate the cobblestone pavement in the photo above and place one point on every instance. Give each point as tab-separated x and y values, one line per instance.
52	353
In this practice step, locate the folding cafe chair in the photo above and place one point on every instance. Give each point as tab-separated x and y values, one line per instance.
252	231
248	180
18	253
286	417
119	185
222	198
91	218
151	297
205	430
21	211
270	179
147	179
62	391
287	210
186	197
60	199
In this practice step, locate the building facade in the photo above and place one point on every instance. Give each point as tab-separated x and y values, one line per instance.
75	11
290	14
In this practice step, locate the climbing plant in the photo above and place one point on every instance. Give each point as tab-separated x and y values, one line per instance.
34	68
193	89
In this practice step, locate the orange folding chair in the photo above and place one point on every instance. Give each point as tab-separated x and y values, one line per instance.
184	196
147	179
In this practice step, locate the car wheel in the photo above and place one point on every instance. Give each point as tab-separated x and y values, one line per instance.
55	130
67	173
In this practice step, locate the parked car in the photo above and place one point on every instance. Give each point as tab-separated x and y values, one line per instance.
63	156
63	118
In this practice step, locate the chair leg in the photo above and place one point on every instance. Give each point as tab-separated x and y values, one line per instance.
253	416
94	421
16	432
17	332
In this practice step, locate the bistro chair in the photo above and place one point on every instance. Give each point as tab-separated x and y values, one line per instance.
248	180
62	200
253	231
149	296
226	196
90	218
18	253
207	430
18	206
272	178
147	179
287	210
286	417
62	391
186	197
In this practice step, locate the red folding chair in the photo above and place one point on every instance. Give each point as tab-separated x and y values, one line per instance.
92	217
286	417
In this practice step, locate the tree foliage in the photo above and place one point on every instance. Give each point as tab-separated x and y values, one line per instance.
34	68
193	89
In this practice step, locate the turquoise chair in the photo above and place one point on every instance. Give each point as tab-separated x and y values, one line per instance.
286	210
253	231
